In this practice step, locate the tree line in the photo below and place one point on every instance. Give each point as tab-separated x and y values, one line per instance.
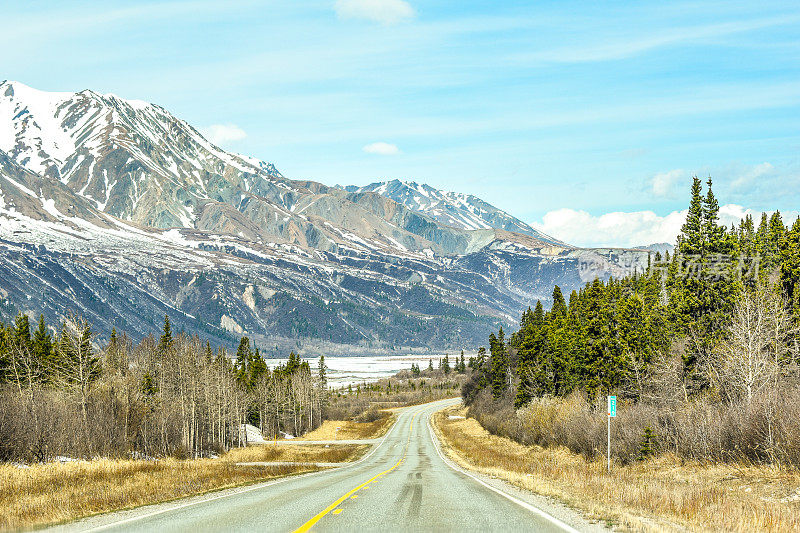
715	322
62	392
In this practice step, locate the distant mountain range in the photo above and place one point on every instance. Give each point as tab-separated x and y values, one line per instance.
455	209
660	247
120	211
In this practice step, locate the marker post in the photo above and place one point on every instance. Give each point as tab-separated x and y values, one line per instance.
612	411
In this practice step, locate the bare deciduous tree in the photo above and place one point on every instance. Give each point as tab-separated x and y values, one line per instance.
750	359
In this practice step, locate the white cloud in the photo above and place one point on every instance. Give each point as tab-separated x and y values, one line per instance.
664	183
753	175
636	228
610	49
383	11
612	229
381	148
223	133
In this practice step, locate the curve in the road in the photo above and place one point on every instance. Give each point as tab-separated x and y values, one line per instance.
404	484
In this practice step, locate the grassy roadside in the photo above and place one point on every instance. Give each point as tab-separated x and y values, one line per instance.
656	495
352	429
335	453
53	492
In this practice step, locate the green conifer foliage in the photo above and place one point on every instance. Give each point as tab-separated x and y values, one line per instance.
165	343
690	241
498	363
42	348
790	267
323	372
647	446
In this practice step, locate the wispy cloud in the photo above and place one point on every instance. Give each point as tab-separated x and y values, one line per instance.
665	184
223	133
610	50
753	174
381	148
383	11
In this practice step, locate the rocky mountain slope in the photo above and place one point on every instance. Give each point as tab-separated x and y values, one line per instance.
455	209
122	212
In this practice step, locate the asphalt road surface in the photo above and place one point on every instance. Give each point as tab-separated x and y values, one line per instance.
403	484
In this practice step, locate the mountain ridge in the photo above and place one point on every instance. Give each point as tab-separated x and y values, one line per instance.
465	211
286	261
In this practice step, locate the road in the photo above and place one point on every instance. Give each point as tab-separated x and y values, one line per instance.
403	484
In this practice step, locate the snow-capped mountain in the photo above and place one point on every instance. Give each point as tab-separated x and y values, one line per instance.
132	159
121	211
455	209
660	247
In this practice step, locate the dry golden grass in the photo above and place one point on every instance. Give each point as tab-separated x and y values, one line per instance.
659	494
53	492
335	453
351	430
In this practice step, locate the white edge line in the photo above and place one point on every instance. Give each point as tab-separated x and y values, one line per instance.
526	505
235	492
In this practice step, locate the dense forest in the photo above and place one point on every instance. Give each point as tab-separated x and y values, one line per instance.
61	394
701	348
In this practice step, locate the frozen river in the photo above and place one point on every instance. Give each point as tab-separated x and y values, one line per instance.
343	371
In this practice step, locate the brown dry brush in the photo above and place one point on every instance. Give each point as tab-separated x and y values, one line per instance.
750	413
46	493
665	493
364	402
147	400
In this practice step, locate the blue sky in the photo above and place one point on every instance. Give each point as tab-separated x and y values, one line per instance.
586	118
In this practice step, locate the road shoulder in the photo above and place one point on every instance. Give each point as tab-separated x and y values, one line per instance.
505	481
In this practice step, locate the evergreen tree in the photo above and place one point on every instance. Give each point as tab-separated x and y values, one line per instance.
762	235
747	236
530	367
691	239
323	371
771	251
702	288
243	360
5	353
647	446
713	234
603	360
790	267
148	386
257	369
22	332
42	347
499	363
293	364
165	343
559	305
208	353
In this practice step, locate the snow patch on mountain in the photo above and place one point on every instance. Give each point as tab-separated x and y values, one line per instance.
463	211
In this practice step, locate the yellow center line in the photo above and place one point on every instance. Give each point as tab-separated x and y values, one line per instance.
308	525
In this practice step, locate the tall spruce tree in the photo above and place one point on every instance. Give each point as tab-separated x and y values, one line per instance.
323	373
790	267
243	361
165	342
498	363
42	347
691	239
